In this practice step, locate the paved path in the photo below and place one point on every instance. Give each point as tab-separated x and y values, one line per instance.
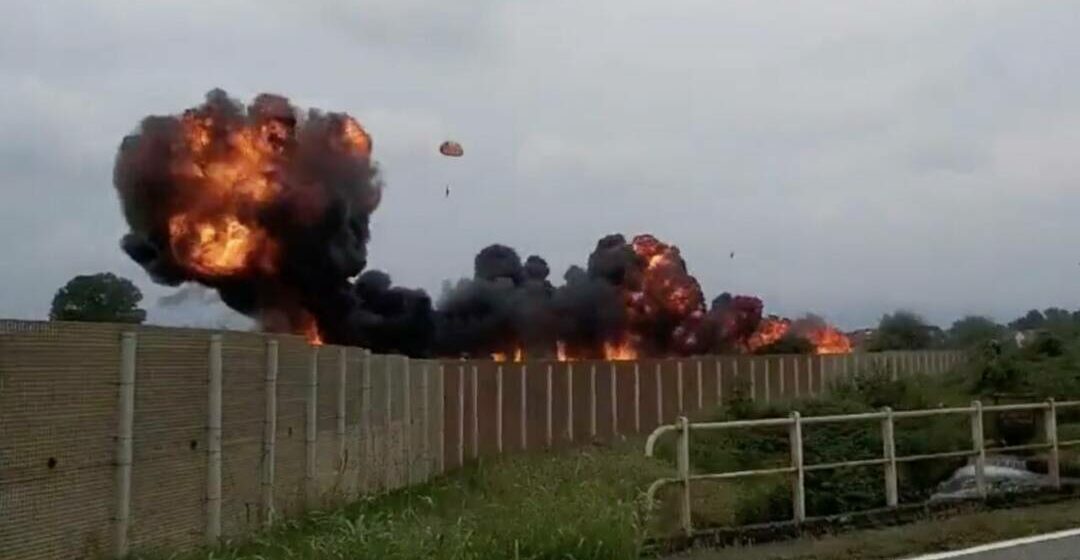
1063	545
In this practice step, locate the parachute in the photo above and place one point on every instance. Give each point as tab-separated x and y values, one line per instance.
451	149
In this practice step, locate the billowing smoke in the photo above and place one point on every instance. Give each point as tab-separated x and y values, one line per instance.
271	207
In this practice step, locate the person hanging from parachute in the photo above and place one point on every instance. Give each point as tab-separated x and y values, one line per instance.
452	149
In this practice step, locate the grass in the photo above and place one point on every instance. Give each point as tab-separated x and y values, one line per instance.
585	505
932	535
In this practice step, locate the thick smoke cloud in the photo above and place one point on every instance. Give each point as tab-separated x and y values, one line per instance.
271	207
301	186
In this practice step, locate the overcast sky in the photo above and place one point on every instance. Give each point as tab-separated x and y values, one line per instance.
856	156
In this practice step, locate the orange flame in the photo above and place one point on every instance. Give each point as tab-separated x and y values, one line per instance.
519	356
214	232
769	331
829	340
312	333
619	351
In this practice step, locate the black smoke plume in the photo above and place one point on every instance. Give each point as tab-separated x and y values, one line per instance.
271	207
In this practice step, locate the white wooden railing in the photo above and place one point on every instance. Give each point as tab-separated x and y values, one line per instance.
889	459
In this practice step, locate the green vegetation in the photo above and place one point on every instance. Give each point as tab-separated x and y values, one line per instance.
829	492
584	504
903	330
103	298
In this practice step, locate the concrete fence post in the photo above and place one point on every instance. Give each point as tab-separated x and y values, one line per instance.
683	464
499	409
425	421
700	386
810	375
888	442
735	377
821	375
780	371
524	399
798	486
795	376
979	441
407	420
719	382
659	395
549	434
388	422
614	386
1053	466
753	379
637	398
368	443
461	416
592	401
342	453
269	432
213	444
765	378
570	401
125	414
679	390
311	415
475	413
441	418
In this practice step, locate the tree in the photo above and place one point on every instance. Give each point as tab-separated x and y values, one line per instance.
973	330
103	298
1033	320
903	330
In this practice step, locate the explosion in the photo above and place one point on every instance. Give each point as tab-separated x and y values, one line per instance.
271	207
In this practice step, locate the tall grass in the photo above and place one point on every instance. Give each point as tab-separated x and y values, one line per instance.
584	505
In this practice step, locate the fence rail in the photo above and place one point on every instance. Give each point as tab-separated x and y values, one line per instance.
889	459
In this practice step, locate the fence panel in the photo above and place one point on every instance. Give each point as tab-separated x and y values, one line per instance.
58	403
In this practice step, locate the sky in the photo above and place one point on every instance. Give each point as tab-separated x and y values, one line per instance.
858	157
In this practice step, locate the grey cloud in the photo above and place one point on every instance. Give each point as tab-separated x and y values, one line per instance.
856	158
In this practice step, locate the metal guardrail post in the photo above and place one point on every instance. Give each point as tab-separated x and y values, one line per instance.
1053	467
683	460
888	441
979	441
798	486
